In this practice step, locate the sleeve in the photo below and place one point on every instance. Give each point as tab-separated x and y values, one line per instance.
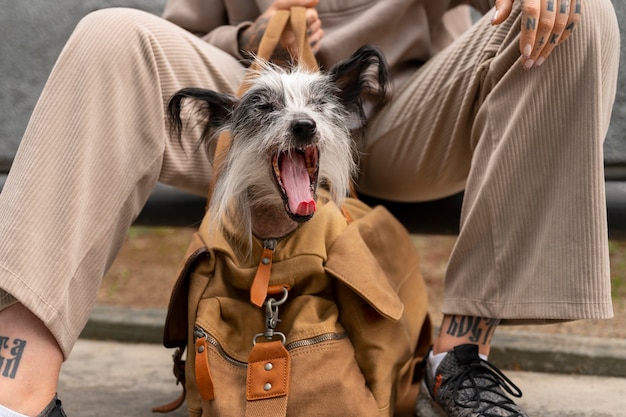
483	6
207	19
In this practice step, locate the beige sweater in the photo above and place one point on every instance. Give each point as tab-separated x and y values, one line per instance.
408	31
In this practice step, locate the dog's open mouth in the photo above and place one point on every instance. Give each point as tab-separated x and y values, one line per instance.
296	173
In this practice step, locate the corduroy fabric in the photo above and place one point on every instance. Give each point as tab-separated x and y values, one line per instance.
527	148
525	145
96	145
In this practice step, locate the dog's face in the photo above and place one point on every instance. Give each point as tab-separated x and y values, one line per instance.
293	128
290	134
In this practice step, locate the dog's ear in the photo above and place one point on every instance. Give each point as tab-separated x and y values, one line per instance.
363	76
213	108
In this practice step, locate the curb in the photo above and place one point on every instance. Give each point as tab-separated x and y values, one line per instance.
519	351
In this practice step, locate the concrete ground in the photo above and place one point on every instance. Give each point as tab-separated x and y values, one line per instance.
120	379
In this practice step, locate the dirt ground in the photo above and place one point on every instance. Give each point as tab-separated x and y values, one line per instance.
144	274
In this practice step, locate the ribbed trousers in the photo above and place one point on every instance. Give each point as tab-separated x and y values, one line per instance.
526	146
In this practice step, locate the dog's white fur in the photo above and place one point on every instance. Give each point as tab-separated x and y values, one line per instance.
260	123
247	176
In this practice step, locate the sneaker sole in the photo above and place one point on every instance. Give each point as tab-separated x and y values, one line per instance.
426	406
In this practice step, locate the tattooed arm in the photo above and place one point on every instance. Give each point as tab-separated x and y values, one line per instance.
250	38
545	24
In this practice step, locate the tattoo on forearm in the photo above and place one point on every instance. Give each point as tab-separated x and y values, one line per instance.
11	352
250	38
479	330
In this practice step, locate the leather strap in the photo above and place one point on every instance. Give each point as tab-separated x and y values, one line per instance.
296	17
221	151
174	405
267	381
272	34
203	372
305	53
258	290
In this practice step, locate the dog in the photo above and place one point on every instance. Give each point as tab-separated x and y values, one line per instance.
291	134
338	285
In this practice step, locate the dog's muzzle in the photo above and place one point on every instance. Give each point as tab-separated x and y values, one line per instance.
296	172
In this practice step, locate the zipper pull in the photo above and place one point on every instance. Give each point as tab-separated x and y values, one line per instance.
202	369
258	290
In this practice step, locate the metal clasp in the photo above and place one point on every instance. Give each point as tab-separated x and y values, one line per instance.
271	319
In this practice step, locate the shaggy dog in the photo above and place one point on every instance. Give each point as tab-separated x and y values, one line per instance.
291	134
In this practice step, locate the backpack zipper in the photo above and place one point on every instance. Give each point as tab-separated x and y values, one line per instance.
326	337
199	332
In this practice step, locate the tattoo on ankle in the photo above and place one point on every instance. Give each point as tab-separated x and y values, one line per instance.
11	352
478	330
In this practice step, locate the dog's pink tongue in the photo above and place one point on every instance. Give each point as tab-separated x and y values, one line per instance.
295	178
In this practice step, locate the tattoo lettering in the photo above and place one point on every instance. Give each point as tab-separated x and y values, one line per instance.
578	7
531	23
10	356
570	26
550	5
554	38
462	326
478	330
564	6
491	327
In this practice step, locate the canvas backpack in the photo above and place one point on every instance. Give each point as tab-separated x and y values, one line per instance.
329	321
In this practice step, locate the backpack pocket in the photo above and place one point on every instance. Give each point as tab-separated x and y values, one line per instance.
325	379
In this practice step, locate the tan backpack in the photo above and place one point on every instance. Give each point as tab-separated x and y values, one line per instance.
329	321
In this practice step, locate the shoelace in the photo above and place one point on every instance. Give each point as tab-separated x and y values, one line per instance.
467	378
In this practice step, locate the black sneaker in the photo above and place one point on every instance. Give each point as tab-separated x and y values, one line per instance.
54	409
467	386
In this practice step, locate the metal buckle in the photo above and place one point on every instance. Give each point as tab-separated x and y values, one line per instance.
272	320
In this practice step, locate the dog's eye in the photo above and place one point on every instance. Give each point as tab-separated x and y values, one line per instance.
265	107
319	102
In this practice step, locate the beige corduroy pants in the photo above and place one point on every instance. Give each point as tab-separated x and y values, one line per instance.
525	145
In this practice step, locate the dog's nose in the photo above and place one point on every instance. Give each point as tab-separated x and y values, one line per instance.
303	129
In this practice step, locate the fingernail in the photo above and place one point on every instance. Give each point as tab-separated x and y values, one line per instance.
528	49
539	61
529	64
495	16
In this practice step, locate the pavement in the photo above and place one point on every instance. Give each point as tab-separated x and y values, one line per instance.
130	372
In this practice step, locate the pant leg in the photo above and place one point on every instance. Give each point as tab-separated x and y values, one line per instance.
527	148
96	145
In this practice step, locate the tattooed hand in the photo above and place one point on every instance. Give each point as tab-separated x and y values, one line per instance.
250	38
545	24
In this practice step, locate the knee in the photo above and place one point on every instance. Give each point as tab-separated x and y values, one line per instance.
110	32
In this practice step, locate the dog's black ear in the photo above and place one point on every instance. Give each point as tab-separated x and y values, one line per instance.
214	109
365	75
